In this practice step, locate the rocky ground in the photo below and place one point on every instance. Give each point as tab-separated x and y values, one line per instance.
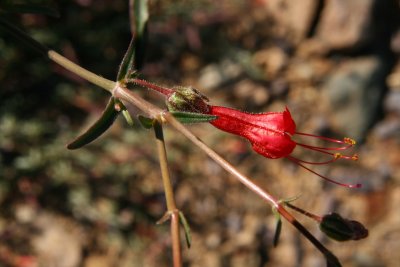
334	64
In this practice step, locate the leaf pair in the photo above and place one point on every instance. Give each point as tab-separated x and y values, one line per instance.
183	222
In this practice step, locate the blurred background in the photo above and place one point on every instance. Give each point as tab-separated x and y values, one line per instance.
334	64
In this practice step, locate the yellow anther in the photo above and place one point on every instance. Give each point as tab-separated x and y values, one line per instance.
337	155
349	141
354	157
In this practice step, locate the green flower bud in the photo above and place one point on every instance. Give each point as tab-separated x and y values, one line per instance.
187	99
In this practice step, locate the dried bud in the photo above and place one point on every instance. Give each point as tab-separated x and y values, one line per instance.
340	229
187	99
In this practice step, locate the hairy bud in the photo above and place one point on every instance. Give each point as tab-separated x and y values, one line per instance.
187	99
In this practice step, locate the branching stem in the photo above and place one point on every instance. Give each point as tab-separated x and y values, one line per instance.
155	112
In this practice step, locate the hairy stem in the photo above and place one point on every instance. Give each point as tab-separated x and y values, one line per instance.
162	90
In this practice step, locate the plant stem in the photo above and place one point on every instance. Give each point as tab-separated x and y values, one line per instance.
306	213
169	194
142	104
150	109
221	161
157	113
78	70
162	155
162	90
57	58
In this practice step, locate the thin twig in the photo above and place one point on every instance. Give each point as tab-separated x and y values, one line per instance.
84	73
172	211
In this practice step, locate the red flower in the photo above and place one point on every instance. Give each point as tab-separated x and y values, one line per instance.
270	135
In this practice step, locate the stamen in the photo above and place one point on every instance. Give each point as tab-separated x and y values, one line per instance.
325	148
352	157
349	141
298	162
335	158
346	140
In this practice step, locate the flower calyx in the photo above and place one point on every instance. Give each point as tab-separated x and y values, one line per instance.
187	99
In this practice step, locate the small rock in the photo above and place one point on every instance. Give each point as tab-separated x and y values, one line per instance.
292	19
355	93
387	128
247	90
59	242
392	101
215	75
340	28
272	60
395	42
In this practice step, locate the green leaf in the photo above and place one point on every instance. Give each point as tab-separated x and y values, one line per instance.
128	117
98	128
127	66
139	19
186	228
191	117
278	227
124	111
30	8
146	122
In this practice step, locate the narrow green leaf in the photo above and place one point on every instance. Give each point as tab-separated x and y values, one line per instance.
127	65
277	234
30	8
124	111
139	16
186	228
146	122
191	117
98	128
128	117
278	227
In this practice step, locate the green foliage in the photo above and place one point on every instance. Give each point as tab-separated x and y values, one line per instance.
190	117
139	21
106	119
127	66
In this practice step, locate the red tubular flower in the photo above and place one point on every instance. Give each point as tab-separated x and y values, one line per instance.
270	135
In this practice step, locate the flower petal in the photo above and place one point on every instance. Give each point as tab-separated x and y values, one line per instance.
269	133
